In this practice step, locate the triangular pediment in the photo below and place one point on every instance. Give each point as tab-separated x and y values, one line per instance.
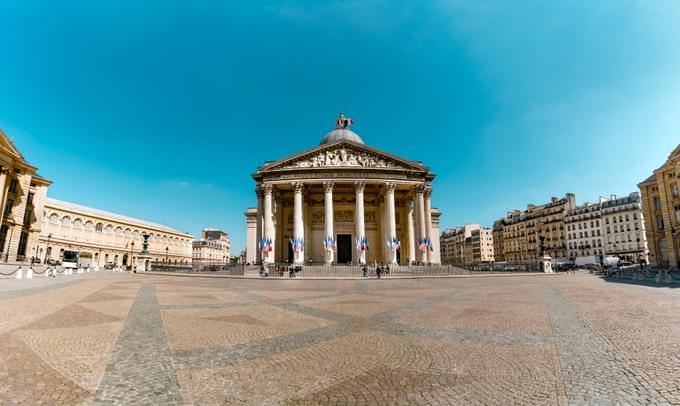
343	154
8	146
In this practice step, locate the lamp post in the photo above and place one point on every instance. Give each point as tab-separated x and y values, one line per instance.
48	250
132	248
166	255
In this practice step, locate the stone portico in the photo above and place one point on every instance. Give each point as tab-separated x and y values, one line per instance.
343	202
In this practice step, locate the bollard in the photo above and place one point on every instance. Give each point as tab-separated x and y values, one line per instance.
29	273
47	272
20	274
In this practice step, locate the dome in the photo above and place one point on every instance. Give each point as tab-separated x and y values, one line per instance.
341	134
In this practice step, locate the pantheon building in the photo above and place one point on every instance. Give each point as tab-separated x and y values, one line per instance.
343	202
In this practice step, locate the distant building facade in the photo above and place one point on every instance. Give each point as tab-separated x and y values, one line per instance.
103	238
213	248
584	231
468	244
520	231
661	209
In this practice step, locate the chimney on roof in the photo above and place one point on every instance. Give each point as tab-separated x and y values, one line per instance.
613	197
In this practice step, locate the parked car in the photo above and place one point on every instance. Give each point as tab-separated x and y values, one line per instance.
109	265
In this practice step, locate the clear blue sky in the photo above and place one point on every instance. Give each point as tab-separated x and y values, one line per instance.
163	109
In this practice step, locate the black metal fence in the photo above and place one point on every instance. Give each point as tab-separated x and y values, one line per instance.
212	267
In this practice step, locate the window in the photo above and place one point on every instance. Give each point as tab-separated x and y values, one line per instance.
54	218
23	240
109	229
657	203
27	216
608	230
89	226
674	191
8	207
606	221
677	214
3	237
99	227
659	222
13	186
77	223
29	200
66	221
634	216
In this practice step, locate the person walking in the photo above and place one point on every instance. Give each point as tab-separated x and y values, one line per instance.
378	271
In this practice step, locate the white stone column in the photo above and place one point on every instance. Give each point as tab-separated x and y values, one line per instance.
428	221
391	220
411	233
328	206
268	256
420	213
3	183
259	223
298	224
360	230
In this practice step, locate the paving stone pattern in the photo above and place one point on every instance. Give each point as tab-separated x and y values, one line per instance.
109	338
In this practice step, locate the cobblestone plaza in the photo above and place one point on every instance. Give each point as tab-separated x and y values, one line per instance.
112	338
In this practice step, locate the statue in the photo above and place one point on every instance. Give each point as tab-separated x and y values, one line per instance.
541	246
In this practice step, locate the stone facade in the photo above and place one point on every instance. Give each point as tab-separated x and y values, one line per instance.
343	202
468	244
518	233
106	238
22	196
611	227
213	248
661	209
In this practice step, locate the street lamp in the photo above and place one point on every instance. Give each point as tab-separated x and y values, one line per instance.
166	255
132	248
48	250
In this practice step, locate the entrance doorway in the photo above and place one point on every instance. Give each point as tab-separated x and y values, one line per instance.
344	242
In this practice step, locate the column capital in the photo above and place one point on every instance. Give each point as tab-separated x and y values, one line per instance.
419	189
259	191
328	185
428	191
298	186
267	188
359	185
390	187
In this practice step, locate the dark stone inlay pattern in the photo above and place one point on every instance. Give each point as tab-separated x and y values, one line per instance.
141	368
593	371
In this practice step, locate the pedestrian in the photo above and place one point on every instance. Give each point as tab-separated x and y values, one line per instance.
364	269
378	271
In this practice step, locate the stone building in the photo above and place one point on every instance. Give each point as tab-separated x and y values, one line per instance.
213	248
584	231
468	244
343	202
35	226
623	228
104	238
661	210
520	231
22	195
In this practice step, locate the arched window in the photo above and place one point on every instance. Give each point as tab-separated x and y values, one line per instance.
135	234
66	221
89	226
119	230
128	232
109	229
77	223
54	218
99	227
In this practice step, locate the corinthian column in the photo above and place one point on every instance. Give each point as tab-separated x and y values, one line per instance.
328	205
420	213
428	219
411	233
259	223
298	225
391	221
268	222
360	230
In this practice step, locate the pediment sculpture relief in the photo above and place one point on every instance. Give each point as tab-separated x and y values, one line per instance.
342	157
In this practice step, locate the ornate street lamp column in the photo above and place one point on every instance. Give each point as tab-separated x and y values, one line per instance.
268	255
391	222
330	236
360	230
298	225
